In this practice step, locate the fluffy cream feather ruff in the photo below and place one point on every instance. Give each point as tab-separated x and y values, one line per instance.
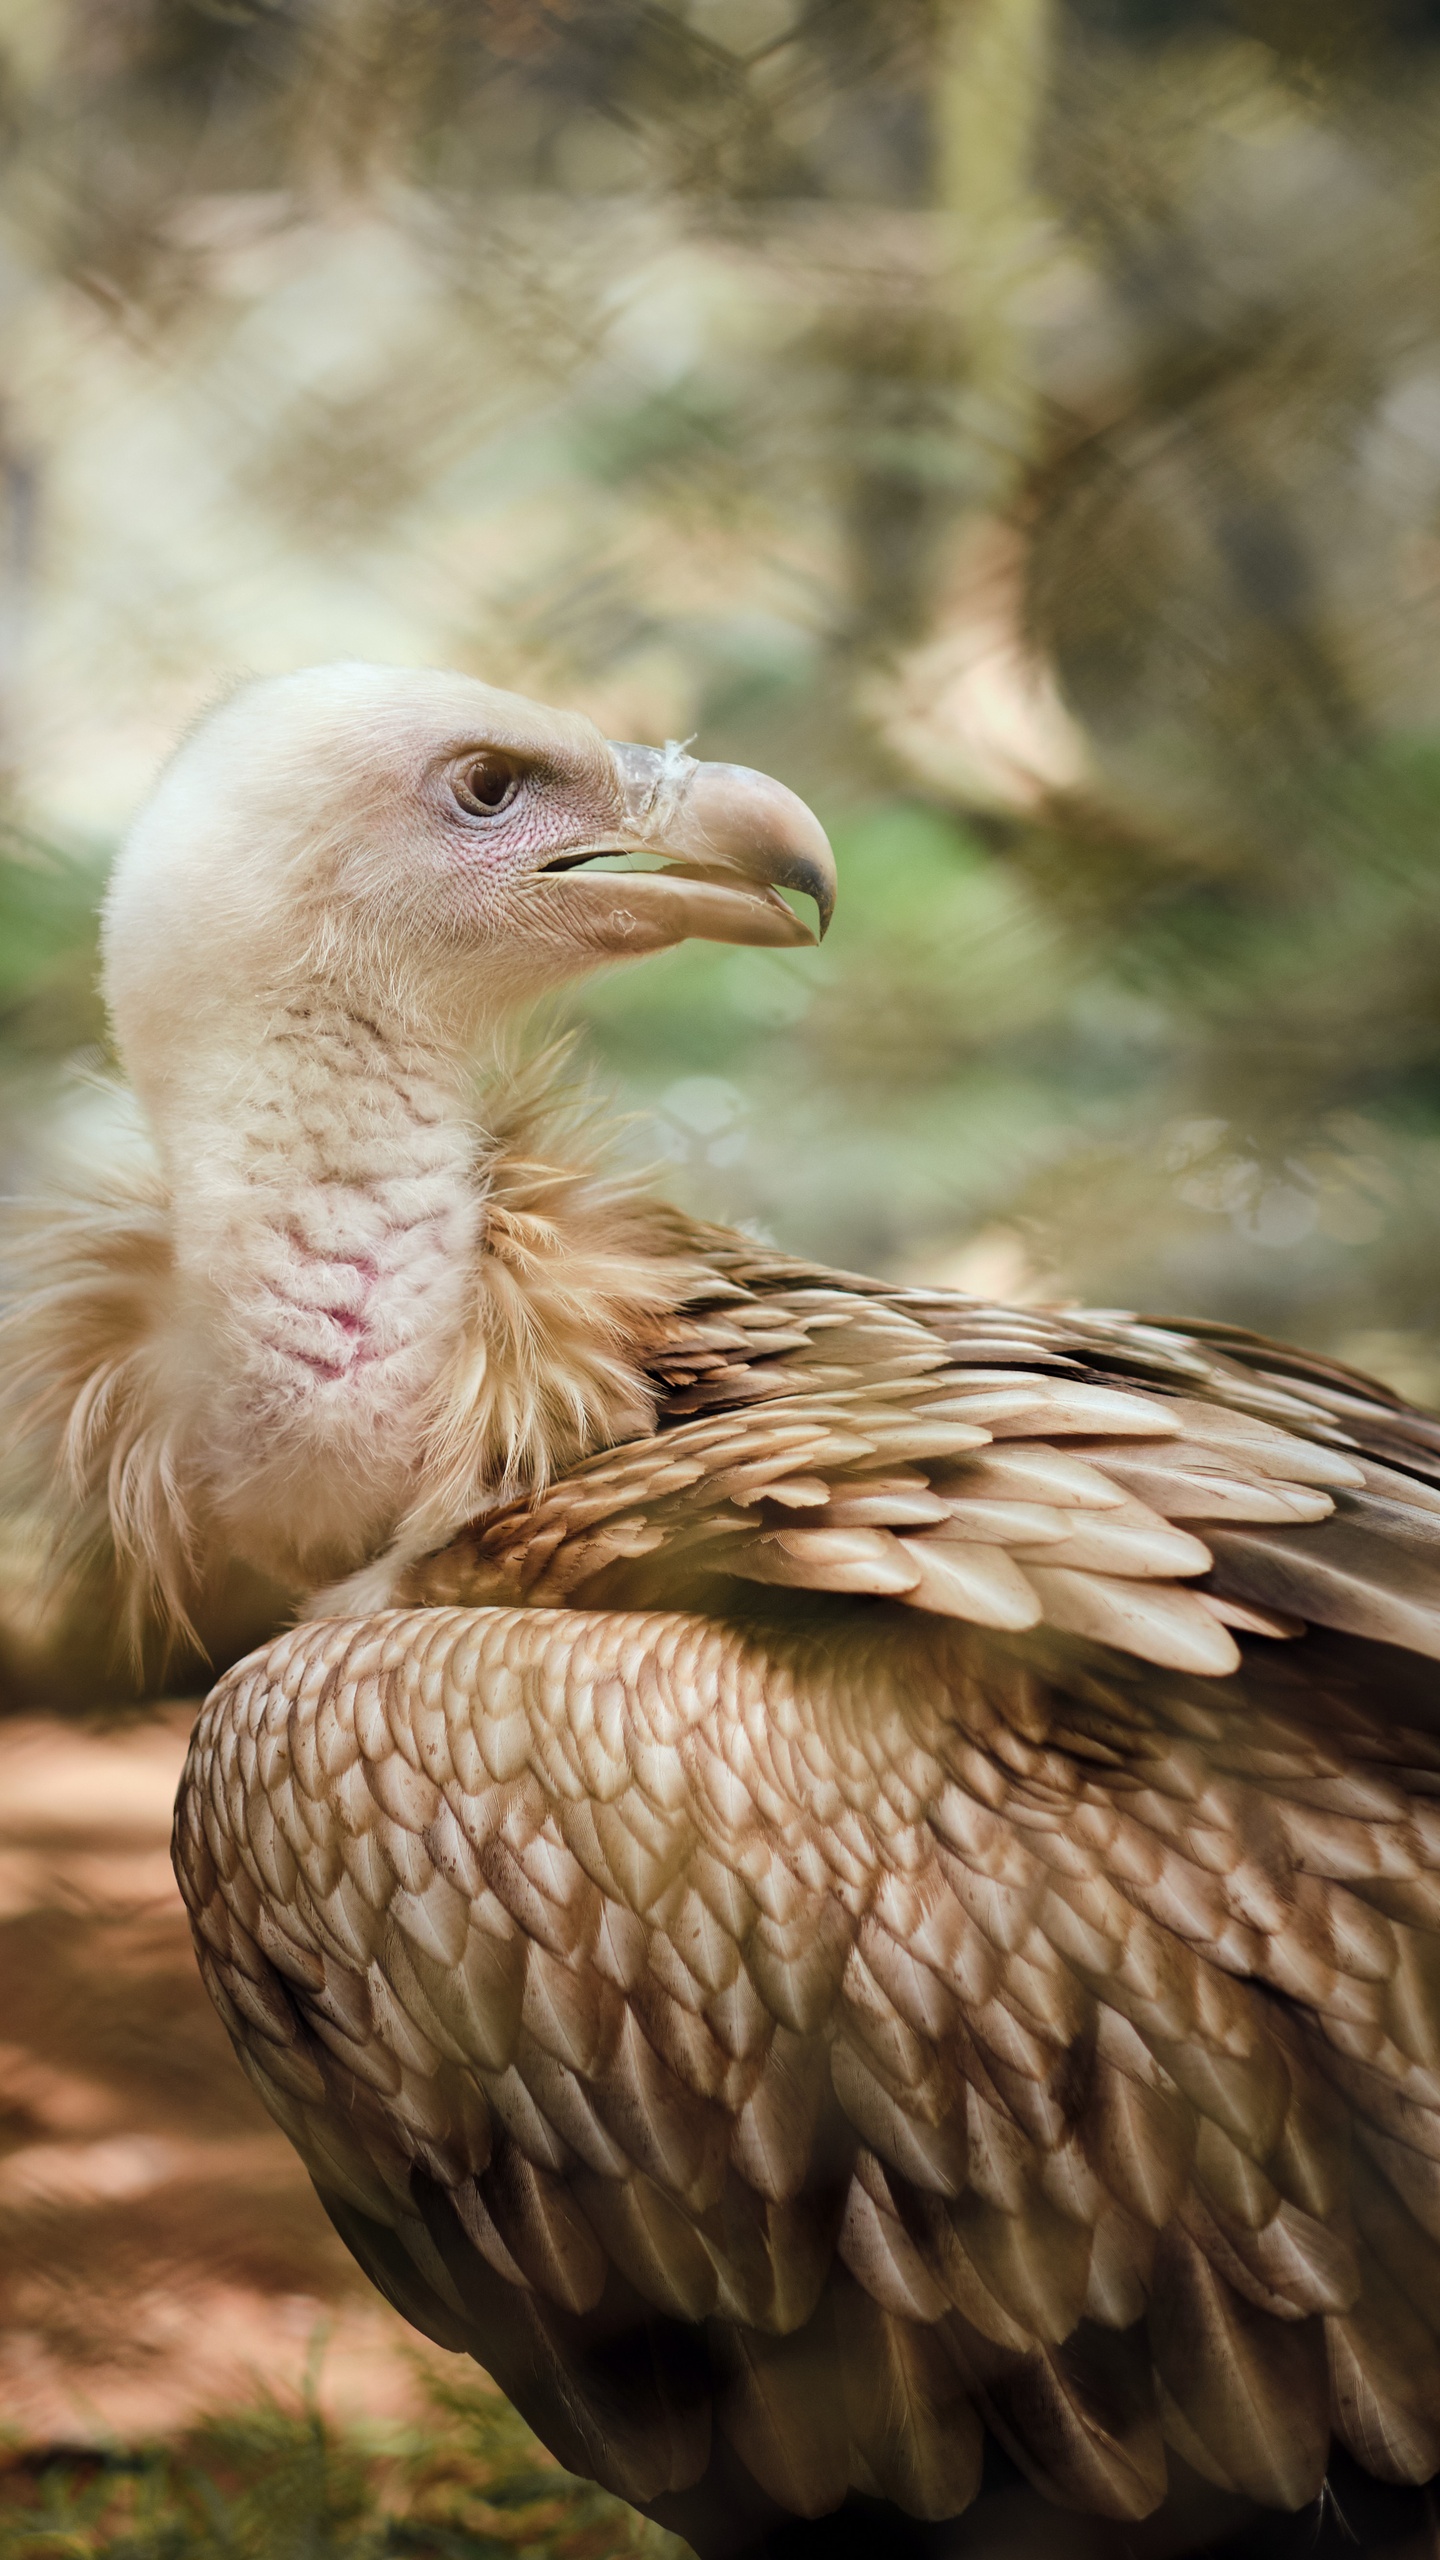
102	1362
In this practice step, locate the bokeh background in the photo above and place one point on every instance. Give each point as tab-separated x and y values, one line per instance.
1016	423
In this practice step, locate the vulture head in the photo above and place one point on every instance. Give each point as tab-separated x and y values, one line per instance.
420	842
370	1287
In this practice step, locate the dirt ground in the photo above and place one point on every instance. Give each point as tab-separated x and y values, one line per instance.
161	2250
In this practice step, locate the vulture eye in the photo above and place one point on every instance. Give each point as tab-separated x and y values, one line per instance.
488	785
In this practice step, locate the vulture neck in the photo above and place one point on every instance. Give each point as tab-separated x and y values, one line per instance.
399	1297
327	1206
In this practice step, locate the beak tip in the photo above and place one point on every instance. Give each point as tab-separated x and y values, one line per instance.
815	879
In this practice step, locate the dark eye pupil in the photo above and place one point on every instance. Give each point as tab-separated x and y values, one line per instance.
489	784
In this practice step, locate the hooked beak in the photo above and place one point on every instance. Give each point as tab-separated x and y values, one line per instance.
729	839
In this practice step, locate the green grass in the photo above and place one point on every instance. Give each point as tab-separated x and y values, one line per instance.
271	2483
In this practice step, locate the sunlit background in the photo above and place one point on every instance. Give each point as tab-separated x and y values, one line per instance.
1014	422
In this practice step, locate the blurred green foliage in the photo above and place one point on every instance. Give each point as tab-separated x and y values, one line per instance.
271	2483
48	898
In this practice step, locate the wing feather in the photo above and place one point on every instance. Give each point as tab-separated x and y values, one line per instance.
1250	2391
1081	2422
777	2403
915	2435
1385	2383
885	1453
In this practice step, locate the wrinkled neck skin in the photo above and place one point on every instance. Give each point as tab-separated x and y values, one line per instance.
327	1183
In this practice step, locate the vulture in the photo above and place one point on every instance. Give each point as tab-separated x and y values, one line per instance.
840	1883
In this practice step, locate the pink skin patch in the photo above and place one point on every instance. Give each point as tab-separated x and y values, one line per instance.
354	1345
322	1368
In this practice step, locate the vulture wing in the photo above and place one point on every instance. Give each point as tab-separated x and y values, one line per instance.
905	1903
